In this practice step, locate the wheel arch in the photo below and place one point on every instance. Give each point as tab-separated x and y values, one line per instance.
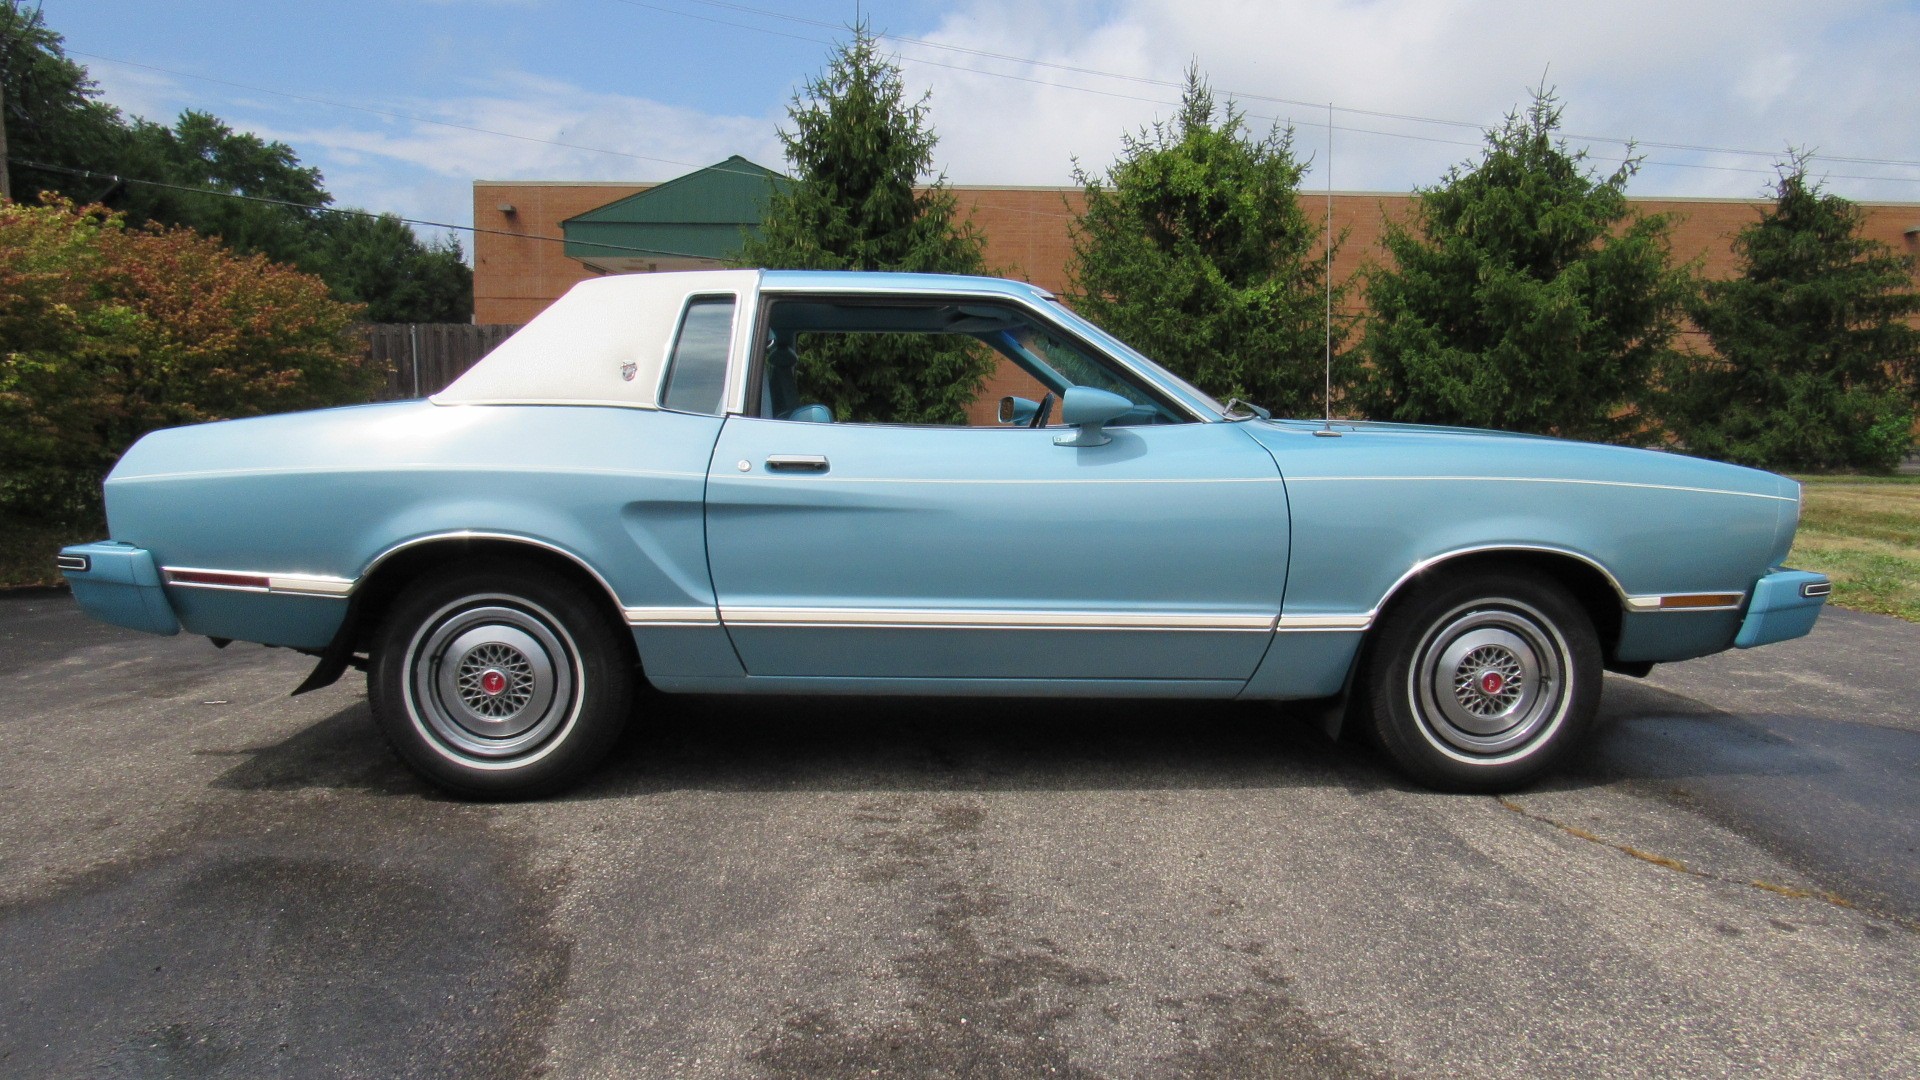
1594	587
389	573
392	569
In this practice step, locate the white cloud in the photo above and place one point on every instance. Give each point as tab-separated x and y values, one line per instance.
521	127
418	158
528	127
1757	74
150	95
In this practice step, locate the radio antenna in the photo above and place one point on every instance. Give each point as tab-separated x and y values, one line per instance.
1326	394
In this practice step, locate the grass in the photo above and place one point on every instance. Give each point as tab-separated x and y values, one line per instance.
27	550
1864	533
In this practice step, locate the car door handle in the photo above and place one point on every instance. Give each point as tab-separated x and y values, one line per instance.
797	463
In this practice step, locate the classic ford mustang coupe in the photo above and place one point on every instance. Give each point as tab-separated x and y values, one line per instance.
644	483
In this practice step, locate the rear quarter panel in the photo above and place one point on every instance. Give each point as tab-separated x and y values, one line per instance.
327	493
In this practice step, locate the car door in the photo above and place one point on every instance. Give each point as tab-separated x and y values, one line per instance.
881	551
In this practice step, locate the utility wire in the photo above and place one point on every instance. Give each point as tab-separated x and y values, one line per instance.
1247	96
1238	95
394	114
414	118
118	179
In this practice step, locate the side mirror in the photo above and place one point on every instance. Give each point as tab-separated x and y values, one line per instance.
1017	410
1086	409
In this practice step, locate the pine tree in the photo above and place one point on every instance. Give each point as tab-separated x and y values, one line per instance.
1815	355
858	150
1194	249
1524	294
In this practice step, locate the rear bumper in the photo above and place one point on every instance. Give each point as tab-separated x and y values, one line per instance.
118	583
1784	606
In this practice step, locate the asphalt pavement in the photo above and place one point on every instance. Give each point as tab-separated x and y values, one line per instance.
200	876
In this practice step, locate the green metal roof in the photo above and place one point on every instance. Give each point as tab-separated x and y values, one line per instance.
703	214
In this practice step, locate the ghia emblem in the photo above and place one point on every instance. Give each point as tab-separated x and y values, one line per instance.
628	370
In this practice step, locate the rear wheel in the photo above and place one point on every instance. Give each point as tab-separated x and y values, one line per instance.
500	680
1481	682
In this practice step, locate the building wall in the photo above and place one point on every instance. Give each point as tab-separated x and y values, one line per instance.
515	278
1028	236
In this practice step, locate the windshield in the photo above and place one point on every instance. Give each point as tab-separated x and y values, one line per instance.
1152	370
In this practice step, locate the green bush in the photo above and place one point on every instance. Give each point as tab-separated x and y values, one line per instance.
109	332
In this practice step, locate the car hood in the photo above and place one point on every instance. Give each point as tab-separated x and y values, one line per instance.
1370	448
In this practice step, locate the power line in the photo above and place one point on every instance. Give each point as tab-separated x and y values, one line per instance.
1238	95
118	179
394	114
414	118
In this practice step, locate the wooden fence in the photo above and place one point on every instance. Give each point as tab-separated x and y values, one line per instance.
422	358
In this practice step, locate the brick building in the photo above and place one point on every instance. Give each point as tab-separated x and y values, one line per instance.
587	228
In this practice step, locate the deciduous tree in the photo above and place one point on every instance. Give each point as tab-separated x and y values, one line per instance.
379	262
49	107
215	174
253	193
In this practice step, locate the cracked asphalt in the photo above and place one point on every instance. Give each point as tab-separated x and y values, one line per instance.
200	876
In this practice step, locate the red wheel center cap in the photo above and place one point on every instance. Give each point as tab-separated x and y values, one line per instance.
493	683
1492	683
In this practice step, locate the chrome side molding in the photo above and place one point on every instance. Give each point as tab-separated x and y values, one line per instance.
254	581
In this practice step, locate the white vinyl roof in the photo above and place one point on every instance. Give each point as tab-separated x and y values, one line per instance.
603	343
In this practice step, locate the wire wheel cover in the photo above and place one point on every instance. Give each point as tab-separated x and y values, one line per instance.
496	680
492	681
1490	677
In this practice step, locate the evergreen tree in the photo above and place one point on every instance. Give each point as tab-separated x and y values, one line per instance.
1194	249
858	149
1525	294
1815	355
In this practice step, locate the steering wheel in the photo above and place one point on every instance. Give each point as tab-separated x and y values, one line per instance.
1041	414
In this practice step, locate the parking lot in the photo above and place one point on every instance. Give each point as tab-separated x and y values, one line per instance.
202	876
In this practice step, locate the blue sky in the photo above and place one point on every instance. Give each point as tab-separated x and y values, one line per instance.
404	103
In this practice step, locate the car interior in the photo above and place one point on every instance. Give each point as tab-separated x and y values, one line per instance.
805	339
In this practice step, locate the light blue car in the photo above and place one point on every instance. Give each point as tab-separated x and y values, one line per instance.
641	484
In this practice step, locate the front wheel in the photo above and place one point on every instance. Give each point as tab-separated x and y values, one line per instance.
499	680
1481	682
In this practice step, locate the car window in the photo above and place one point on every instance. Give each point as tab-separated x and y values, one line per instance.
697	370
933	361
1081	324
